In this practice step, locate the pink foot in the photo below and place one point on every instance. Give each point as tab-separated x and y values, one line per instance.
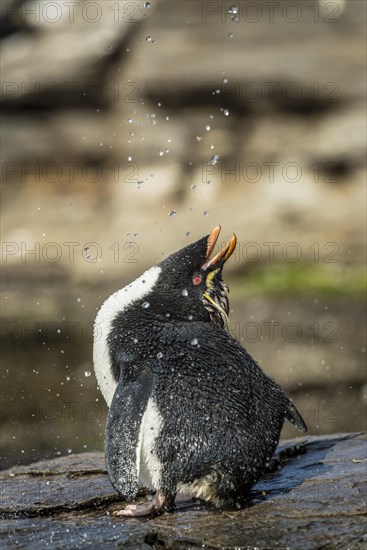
160	503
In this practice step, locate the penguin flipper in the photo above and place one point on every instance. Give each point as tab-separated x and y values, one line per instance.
293	416
122	434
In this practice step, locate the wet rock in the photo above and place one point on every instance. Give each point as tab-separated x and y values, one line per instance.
313	497
54	486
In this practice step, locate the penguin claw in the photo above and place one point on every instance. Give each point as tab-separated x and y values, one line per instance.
133	510
158	505
129	507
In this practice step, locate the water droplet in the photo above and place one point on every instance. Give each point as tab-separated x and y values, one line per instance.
233	11
194	342
207	128
87	373
145	305
226	112
225	80
159	355
184	292
230	35
206	213
172	213
213	161
147	5
193	186
148	39
198	138
129	120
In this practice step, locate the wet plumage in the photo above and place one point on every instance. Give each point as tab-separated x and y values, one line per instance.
191	411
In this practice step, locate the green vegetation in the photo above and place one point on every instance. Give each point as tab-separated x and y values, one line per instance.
301	278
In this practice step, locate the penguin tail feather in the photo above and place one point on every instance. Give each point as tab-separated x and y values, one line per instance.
294	417
223	483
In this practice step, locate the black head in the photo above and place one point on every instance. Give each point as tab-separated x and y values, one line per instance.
190	285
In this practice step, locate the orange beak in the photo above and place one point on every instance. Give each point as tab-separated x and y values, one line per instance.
224	254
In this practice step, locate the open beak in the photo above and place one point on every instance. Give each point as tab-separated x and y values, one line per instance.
223	254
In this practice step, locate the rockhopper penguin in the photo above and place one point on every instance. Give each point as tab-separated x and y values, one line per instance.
190	410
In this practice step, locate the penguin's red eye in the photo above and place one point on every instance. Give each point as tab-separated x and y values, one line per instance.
196	280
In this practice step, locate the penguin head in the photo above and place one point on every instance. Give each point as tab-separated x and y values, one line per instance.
186	286
190	285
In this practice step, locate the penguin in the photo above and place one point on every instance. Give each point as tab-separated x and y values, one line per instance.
190	411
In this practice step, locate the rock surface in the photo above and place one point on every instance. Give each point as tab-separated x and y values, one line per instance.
313	498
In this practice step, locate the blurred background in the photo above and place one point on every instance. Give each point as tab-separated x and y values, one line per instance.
133	128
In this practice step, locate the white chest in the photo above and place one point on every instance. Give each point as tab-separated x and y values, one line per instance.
148	466
113	306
